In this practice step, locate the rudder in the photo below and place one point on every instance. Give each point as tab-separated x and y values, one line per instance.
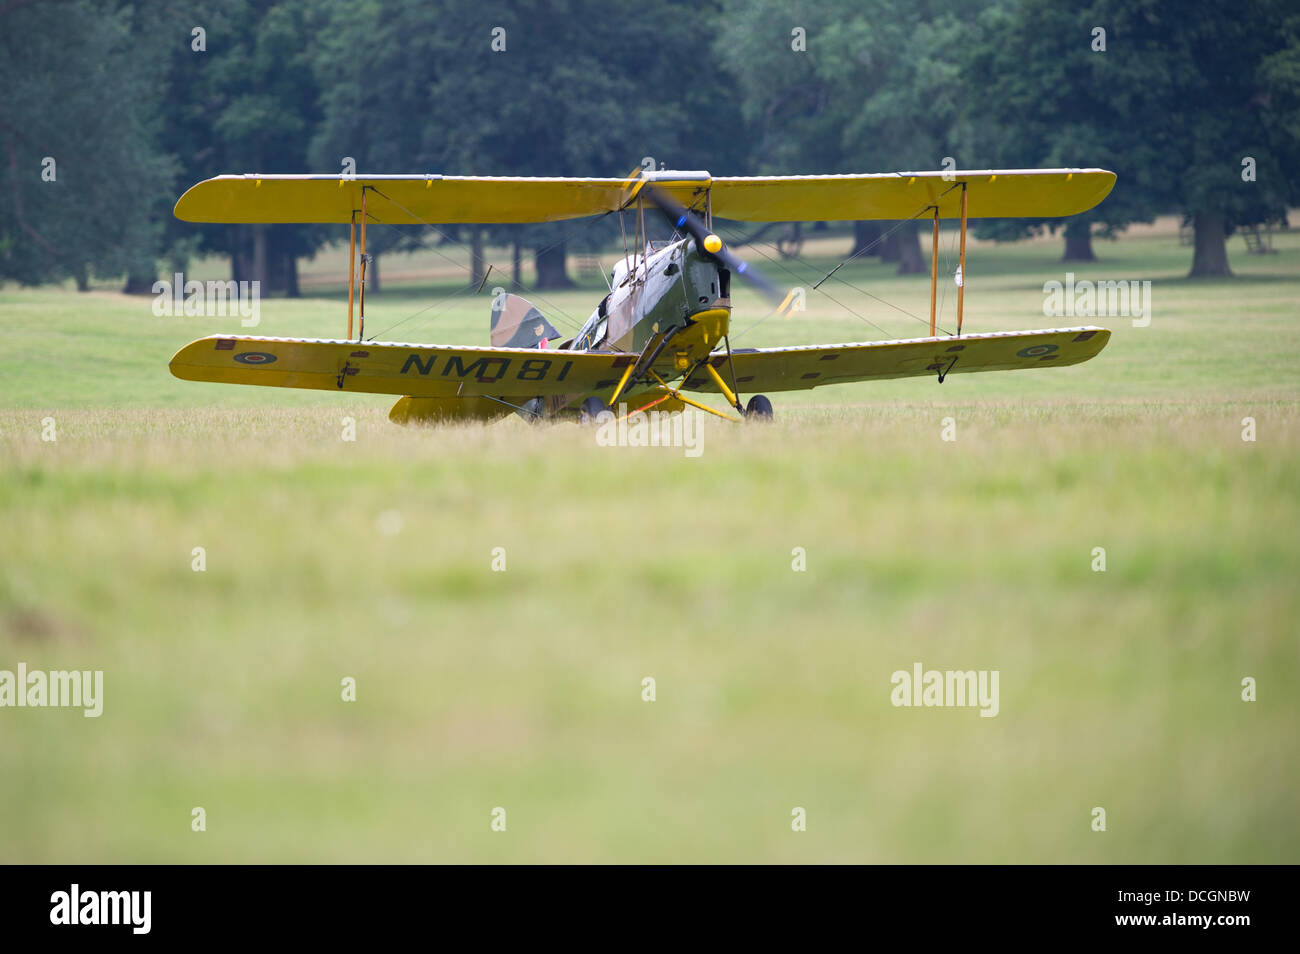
516	323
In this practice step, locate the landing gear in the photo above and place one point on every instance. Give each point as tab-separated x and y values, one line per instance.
590	409
759	408
533	411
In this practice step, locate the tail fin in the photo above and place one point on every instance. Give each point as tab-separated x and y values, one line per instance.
516	323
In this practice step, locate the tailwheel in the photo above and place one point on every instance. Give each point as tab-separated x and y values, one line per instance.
759	408
590	409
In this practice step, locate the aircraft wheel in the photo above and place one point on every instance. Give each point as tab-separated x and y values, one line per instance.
759	408
590	409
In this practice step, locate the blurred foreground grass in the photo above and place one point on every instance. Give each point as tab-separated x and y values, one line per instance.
523	688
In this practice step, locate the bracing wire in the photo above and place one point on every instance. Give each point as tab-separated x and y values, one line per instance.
557	311
833	273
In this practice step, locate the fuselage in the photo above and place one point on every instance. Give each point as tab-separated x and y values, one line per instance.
653	294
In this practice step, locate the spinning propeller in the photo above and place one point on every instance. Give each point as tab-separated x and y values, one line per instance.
708	243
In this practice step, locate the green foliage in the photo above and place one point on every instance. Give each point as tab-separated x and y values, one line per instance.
876	86
374	65
84	186
581	88
132	112
245	103
1173	103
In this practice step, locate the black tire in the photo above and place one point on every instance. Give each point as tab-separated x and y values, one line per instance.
590	409
759	408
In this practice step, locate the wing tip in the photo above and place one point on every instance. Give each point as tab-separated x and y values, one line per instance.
180	362
186	209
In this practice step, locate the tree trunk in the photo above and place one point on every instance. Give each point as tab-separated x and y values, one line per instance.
141	272
280	273
138	283
516	266
260	258
291	289
864	233
1211	256
476	265
550	268
1078	241
82	277
910	259
238	255
889	246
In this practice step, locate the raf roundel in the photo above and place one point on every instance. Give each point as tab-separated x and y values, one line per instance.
254	357
1035	351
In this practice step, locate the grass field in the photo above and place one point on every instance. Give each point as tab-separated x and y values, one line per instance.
522	689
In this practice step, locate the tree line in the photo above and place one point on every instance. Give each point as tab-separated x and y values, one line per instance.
112	108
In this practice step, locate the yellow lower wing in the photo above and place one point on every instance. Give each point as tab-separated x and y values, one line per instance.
408	369
800	368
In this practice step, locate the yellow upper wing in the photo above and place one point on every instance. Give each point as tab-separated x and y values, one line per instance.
396	200
799	368
991	193
413	200
387	368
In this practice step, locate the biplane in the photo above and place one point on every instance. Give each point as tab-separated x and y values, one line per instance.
661	336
